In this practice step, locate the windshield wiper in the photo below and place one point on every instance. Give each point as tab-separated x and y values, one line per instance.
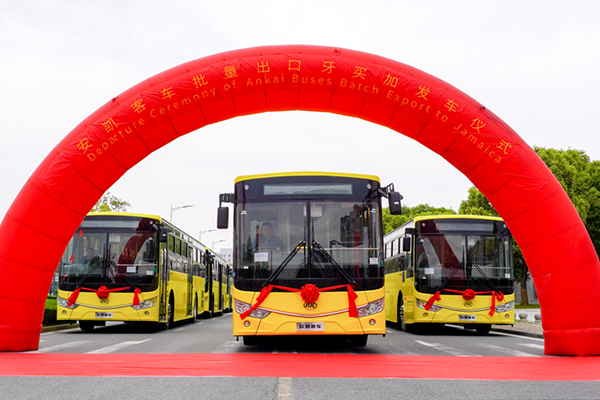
284	263
317	246
484	276
119	273
454	271
94	265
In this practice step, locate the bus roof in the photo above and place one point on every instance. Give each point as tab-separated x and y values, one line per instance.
306	173
392	235
124	214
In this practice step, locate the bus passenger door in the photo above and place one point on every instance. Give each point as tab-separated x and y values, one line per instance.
210	290
220	272
164	279
190	287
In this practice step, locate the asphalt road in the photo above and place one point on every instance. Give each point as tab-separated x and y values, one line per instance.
214	336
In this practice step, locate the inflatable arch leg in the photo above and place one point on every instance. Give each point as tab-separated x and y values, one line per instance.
555	243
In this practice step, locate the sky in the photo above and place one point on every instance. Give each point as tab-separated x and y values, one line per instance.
534	64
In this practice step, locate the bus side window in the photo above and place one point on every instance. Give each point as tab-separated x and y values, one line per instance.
402	262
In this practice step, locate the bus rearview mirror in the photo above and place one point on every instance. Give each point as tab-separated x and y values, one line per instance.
222	217
163	234
395	203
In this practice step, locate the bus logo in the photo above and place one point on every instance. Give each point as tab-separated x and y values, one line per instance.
104	301
468	304
310	306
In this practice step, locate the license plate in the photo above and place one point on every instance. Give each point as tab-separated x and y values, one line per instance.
310	326
467	317
104	315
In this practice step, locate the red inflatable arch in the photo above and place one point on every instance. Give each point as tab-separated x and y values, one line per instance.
558	250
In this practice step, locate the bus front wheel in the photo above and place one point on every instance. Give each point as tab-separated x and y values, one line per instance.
359	340
403	325
250	340
483	329
195	315
86	326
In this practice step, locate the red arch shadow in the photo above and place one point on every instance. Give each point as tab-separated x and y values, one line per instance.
76	173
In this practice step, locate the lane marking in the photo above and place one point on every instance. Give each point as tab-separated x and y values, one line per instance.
446	349
284	388
519	336
506	350
62	346
116	347
532	345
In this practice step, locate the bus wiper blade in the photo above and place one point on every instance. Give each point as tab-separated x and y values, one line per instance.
317	246
119	273
443	285
95	265
484	276
284	263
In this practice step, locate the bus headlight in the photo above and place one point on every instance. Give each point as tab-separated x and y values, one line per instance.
433	308
370	308
505	307
145	304
64	303
241	307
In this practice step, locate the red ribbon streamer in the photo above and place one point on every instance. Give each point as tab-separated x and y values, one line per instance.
103	293
468	294
264	293
432	299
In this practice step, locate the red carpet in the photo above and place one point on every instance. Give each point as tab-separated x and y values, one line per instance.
303	366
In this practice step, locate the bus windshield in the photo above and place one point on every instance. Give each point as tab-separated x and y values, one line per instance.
114	257
463	261
292	243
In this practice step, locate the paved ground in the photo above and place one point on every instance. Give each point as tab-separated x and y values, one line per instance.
529	326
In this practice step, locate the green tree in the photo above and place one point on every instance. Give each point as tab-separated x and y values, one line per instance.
580	178
109	202
476	204
391	222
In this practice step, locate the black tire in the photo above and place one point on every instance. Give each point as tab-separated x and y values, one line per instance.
250	340
359	340
195	315
400	315
483	329
86	326
165	326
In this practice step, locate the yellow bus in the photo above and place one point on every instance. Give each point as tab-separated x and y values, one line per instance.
307	255
136	268
450	269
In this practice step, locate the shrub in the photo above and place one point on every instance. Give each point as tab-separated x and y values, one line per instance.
50	311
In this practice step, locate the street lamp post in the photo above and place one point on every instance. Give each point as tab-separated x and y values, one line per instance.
215	241
173	209
203	232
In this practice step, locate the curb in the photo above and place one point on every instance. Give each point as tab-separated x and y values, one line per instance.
52	328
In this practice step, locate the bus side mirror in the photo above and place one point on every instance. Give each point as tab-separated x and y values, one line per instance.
163	234
222	217
406	243
394	199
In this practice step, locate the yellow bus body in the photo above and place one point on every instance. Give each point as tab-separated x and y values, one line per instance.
452	306
287	309
119	304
